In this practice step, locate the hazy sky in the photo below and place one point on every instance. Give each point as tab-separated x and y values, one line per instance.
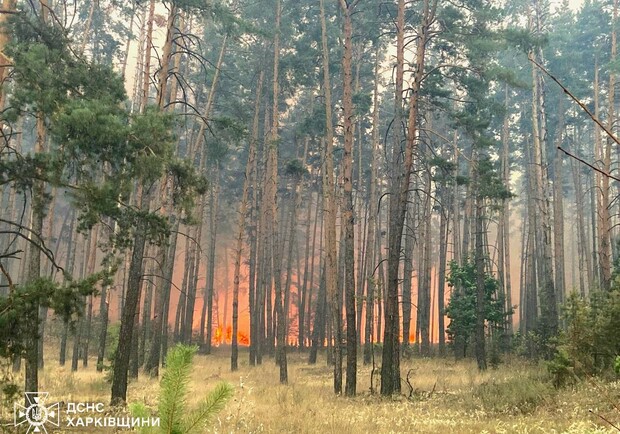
574	4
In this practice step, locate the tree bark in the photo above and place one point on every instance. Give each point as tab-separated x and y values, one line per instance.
348	211
249	173
329	210
121	359
390	367
372	213
480	286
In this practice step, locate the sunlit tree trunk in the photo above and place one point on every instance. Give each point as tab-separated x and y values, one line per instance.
504	225
407	284
444	221
424	280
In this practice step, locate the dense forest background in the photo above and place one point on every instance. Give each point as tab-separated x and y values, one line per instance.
381	179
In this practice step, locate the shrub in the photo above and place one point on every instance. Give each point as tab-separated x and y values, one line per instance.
517	395
590	343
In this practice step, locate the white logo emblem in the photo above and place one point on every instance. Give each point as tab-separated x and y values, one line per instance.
36	413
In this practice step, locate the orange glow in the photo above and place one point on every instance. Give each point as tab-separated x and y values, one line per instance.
243	339
217	338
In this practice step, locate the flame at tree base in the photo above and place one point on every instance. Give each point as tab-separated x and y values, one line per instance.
221	338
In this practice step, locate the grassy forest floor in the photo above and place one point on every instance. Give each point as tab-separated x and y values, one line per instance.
448	397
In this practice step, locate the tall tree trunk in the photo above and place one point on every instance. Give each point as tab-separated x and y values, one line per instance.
254	236
424	285
548	323
505	218
43	309
69	266
558	209
249	173
602	188
104	309
318	327
87	26
390	366
210	284
480	286
303	289
370	278
444	221
91	261
329	210
272	196
408	278
8	6
121	359
34	264
146	72
348	211
611	121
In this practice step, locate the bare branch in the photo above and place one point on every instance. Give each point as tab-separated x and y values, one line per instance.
580	104
591	166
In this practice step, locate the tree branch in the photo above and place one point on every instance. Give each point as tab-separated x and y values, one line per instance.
591	166
580	104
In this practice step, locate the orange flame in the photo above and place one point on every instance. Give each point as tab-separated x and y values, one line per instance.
219	338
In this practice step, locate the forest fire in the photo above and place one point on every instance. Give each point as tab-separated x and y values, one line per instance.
293	181
221	338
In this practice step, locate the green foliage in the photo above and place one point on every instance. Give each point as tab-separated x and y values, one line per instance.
617	365
98	150
523	39
561	369
362	102
175	417
17	309
9	391
489	184
172	400
461	308
209	407
590	343
295	169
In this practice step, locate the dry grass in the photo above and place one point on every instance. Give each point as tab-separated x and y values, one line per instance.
448	397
